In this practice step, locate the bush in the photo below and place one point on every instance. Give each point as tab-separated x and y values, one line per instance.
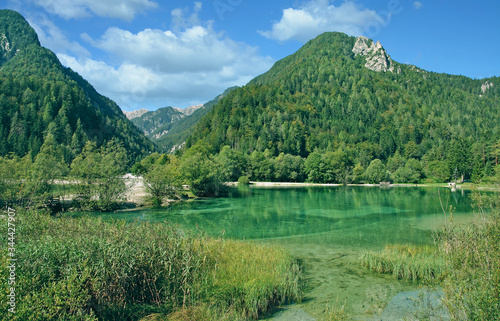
375	173
244	180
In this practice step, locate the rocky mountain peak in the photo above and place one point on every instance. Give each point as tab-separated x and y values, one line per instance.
376	56
191	109
487	85
136	113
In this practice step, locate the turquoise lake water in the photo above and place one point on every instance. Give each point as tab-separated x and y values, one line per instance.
327	229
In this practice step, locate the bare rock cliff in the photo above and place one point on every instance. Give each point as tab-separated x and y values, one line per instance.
377	58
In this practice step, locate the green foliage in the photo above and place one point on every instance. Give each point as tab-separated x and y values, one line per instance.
408	262
243	180
204	174
473	287
375	173
13	26
13	170
233	163
98	176
89	269
410	173
163	180
38	96
439	171
322	98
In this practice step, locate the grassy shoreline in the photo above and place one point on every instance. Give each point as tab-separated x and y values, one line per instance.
90	269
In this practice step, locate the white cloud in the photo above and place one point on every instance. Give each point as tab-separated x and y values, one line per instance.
318	16
53	37
417	5
122	9
159	68
133	86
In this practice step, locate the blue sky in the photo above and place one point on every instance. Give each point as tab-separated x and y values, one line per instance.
152	54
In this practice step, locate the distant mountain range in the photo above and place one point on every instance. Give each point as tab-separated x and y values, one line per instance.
169	127
39	96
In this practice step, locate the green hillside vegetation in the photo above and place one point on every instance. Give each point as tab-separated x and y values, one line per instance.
38	97
324	106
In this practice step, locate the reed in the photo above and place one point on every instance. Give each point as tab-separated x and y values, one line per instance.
409	262
90	269
336	311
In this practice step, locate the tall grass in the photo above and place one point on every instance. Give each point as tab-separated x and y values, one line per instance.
90	269
473	287
465	262
408	262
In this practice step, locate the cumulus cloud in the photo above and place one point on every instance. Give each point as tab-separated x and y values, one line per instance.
165	67
53	37
122	9
318	16
133	86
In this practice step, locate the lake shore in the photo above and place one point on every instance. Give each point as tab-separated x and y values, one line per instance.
465	186
271	184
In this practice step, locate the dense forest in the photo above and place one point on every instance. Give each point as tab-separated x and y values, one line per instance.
41	98
324	106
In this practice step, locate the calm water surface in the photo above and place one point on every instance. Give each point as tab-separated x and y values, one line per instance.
327	228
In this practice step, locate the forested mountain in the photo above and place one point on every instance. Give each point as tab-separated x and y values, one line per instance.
169	127
341	102
40	98
161	118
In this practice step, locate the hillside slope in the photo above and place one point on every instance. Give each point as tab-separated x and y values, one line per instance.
345	92
39	96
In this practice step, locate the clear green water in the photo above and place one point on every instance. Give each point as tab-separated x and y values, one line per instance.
327	228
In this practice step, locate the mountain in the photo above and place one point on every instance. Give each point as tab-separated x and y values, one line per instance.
39	96
136	113
191	109
150	121
169	127
345	94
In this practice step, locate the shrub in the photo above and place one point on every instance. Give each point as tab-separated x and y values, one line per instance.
375	173
244	180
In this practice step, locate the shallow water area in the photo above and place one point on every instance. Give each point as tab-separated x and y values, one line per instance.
326	229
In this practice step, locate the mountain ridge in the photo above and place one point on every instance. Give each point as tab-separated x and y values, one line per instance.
38	96
326	97
169	127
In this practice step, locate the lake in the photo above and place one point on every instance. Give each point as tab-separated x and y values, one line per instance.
327	229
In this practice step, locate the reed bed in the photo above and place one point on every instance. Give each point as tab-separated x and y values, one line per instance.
408	262
90	269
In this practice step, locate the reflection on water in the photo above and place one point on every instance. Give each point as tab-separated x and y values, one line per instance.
327	228
361	216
